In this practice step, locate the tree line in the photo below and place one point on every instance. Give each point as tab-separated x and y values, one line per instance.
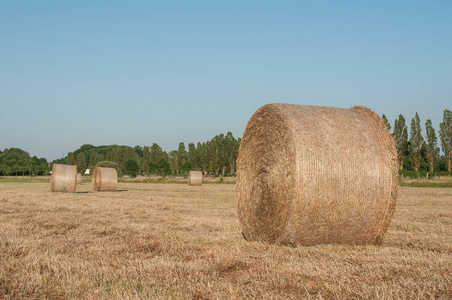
416	152
217	155
420	153
15	161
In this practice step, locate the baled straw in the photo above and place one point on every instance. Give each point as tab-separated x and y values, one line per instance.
79	178
312	175
195	178
63	179
104	179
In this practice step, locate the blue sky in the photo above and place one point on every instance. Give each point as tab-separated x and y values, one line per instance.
143	72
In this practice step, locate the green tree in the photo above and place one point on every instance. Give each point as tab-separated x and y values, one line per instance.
204	155
131	167
156	153
222	156
416	141
86	148
445	135
18	169
94	158
109	156
163	167
37	166
432	148
138	150
216	153
32	165
385	120
5	169
152	167
186	167
130	153
70	160
81	163
14	161
182	156
401	138
232	150
214	145
173	162
193	156
120	158
146	159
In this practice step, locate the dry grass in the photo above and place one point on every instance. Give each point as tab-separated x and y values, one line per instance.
172	241
442	182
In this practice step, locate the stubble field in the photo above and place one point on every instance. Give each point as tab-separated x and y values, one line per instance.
172	241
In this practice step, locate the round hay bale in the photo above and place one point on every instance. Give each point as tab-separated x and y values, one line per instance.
63	179
195	178
104	179
311	175
79	178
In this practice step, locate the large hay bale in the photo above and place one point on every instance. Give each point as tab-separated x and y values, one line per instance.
312	175
194	178
104	179
79	178
63	179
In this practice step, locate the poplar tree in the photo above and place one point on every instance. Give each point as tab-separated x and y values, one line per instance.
401	138
432	149
146	159
182	156
385	119
416	141
193	156
204	155
445	134
173	161
232	151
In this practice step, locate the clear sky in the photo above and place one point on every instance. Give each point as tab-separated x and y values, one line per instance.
143	72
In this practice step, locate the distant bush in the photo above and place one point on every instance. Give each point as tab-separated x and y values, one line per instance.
423	174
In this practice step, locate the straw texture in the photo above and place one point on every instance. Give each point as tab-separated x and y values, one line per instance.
104	179
311	175
195	178
63	179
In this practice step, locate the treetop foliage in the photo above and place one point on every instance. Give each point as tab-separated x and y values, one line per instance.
217	155
421	154
15	161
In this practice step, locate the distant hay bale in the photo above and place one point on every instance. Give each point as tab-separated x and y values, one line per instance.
104	179
195	178
79	178
63	179
311	175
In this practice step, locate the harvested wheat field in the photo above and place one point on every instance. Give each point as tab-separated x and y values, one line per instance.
174	241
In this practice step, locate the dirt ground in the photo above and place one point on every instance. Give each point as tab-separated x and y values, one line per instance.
172	241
